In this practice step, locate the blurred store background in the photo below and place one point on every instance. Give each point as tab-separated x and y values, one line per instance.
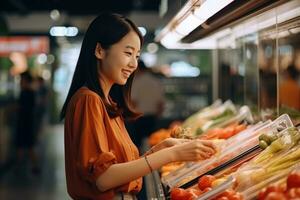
244	51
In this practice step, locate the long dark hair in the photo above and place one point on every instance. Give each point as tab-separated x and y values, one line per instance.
107	29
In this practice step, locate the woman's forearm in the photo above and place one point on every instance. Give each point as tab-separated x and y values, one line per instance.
165	144
122	173
155	148
119	174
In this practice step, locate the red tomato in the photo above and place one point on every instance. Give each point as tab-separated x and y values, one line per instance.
274	188
195	193
207	189
262	194
293	193
275	196
205	181
293	180
222	198
230	195
236	197
266	191
227	193
180	194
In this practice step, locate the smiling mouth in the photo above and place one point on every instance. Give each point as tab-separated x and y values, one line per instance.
126	73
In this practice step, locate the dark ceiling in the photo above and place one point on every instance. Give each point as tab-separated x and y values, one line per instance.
78	7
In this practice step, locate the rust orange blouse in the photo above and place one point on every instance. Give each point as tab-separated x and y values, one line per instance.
93	142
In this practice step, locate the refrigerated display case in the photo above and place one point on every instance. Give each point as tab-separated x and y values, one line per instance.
259	46
238	169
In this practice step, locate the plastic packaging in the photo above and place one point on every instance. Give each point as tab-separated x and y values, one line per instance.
252	192
281	155
228	105
234	146
244	114
216	108
203	119
228	150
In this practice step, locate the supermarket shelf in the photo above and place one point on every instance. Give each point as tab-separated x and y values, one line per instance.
249	152
154	187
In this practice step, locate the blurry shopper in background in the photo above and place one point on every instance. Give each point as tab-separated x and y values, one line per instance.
102	162
268	89
41	105
225	83
25	133
289	91
148	98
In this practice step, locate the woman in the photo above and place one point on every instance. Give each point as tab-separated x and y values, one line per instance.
101	160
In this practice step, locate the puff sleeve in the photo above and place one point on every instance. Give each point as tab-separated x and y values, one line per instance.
93	155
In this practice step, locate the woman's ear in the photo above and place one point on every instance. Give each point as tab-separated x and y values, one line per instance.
99	51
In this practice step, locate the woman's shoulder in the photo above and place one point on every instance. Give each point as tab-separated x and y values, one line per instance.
85	94
86	91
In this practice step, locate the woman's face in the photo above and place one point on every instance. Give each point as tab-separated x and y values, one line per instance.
120	60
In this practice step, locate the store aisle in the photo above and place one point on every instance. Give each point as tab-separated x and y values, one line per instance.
18	182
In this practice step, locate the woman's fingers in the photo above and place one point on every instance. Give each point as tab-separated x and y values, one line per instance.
207	149
192	150
208	143
184	140
204	155
175	141
204	148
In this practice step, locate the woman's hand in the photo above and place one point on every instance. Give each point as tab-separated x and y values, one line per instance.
169	142
192	150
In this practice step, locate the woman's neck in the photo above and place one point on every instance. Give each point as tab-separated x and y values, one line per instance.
106	86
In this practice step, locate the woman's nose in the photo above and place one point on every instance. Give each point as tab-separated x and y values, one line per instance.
133	63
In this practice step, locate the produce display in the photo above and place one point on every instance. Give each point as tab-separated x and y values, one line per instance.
272	163
228	149
223	133
208	186
209	118
253	161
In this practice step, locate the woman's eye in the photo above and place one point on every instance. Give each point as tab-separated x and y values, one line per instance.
138	57
128	53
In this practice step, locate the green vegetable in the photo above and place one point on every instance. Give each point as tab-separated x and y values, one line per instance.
268	137
277	145
286	141
265	138
263	144
273	137
226	113
199	131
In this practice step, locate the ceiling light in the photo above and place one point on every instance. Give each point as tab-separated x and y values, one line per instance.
188	24
170	39
143	30
42	58
152	47
283	34
188	19
55	14
210	7
71	31
58	31
295	30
